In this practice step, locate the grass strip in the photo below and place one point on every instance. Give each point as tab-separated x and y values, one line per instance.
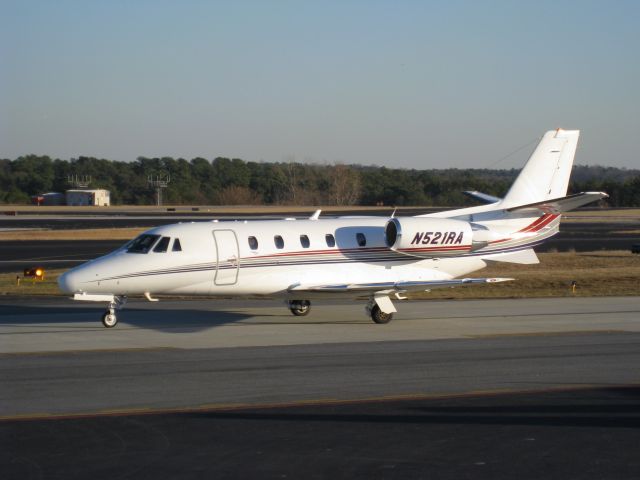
602	273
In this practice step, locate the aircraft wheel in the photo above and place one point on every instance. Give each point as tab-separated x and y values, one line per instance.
109	319
379	316
300	308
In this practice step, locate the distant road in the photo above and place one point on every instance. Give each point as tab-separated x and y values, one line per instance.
111	219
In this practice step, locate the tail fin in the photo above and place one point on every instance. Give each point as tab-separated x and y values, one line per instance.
539	189
506	230
546	174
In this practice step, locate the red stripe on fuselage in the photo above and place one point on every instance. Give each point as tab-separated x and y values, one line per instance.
430	249
537	225
323	252
534	224
543	224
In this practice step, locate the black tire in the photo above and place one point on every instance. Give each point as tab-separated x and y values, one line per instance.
300	308
109	320
379	316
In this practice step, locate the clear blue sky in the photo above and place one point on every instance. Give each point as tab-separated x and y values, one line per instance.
403	84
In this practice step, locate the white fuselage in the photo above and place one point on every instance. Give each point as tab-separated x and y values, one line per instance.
222	258
375	257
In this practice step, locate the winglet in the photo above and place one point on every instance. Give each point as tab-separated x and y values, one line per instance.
315	215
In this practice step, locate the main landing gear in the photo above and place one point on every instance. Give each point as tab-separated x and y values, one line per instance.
379	316
376	313
109	318
300	308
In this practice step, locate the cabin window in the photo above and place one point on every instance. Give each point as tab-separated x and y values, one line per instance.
176	246
362	240
304	241
331	240
162	246
142	244
278	241
253	243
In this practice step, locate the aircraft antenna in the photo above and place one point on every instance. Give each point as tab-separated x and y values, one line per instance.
537	139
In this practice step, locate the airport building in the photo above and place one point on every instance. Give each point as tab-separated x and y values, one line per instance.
98	198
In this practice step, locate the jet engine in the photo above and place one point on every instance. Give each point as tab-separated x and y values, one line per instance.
429	237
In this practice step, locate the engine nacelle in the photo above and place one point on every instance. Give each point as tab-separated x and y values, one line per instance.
429	237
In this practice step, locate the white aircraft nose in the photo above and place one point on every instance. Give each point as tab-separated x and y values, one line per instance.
67	282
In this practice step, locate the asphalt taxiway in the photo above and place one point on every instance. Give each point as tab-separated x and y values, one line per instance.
526	388
581	433
614	233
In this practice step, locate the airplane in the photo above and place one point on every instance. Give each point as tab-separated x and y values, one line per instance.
380	258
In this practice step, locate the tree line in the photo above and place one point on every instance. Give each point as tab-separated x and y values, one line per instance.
225	181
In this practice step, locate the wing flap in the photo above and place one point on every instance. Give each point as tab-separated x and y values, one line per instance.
392	287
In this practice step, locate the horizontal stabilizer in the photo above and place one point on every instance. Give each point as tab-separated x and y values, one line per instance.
524	257
389	287
563	204
483	197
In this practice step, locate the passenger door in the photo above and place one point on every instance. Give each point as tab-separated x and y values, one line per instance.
227	257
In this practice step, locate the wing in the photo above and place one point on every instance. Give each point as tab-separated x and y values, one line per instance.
392	287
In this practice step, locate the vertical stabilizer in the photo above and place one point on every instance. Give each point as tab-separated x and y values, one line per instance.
546	174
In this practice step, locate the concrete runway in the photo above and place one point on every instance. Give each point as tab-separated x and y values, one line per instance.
527	388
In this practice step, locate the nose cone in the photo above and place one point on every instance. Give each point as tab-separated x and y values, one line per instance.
67	282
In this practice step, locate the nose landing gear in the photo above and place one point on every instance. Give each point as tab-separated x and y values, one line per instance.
109	318
300	308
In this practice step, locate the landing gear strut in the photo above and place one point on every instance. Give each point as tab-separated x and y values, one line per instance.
300	308
109	318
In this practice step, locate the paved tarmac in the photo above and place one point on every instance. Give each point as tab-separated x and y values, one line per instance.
191	389
584	433
58	324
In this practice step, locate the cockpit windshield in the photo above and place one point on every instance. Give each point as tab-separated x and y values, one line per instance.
142	244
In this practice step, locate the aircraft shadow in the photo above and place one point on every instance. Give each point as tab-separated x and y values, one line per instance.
605	411
168	320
